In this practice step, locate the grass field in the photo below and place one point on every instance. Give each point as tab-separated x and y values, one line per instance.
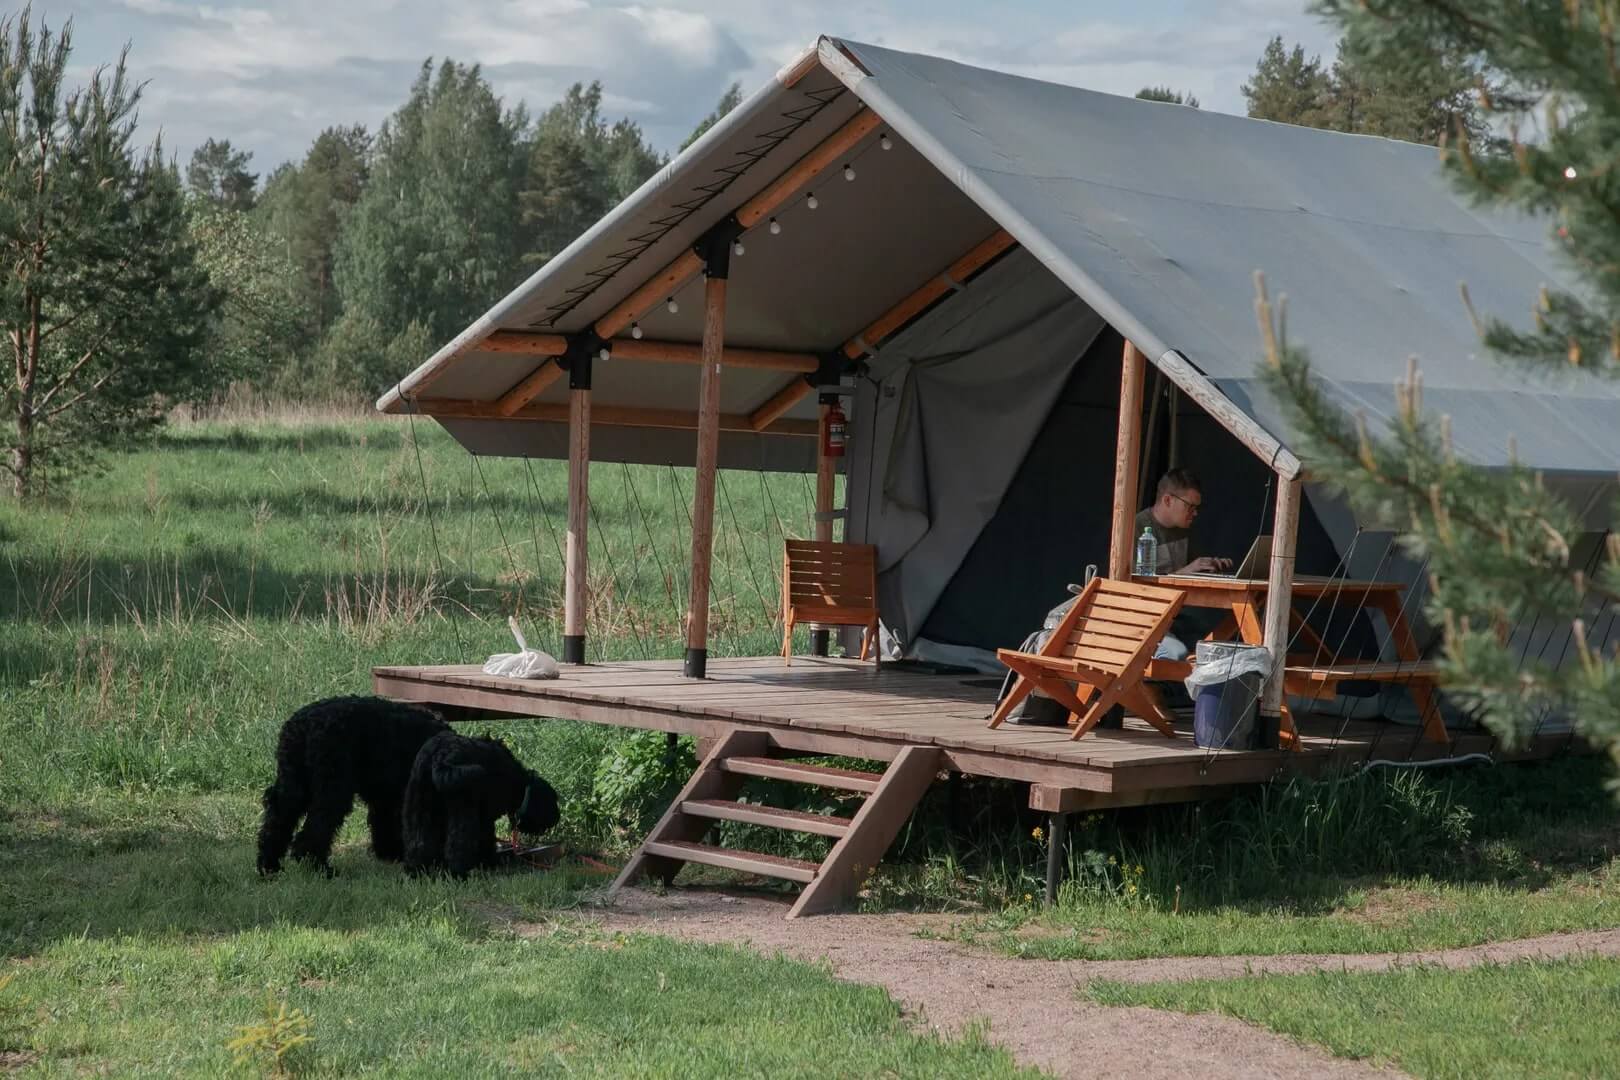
159	621
1551	1019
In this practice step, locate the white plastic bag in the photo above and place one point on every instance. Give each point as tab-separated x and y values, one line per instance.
1230	661
526	663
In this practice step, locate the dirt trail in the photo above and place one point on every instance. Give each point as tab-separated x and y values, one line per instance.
1031	1005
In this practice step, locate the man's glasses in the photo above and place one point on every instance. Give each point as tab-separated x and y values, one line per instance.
1193	506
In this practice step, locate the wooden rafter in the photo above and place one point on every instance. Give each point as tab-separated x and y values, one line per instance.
779	403
914	304
530	388
684	267
525	343
606	416
931	290
679	352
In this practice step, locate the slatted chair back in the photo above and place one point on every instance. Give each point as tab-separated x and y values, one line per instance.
829	584
1111	622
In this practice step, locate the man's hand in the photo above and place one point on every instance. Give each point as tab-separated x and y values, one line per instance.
1206	564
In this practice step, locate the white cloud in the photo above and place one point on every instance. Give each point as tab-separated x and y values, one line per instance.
270	74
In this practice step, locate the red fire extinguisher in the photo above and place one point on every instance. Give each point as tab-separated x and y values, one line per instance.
834	431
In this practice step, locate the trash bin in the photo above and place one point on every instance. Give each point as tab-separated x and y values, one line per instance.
1225	686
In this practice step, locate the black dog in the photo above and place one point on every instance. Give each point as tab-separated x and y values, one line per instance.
328	753
459	788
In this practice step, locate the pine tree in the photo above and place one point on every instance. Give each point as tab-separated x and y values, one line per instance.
579	168
436	236
1287	87
303	206
102	300
1498	543
1166	95
218	175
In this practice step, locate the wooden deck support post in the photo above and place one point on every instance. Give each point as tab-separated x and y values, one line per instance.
1280	590
1127	462
715	249
1057	828
576	575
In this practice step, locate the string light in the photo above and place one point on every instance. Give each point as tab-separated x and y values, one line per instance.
635	330
810	200
672	305
884	141
849	172
603	354
1569	172
776	227
737	248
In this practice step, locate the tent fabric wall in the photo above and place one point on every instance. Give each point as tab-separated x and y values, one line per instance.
944	418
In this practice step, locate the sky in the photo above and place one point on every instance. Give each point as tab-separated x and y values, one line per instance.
270	75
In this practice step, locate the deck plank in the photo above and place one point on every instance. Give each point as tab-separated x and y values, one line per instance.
844	705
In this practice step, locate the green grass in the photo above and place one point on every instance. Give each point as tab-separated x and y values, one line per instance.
159	621
1545	1019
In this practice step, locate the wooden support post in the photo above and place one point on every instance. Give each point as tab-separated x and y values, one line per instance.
1127	462
1057	827
826	476
576	573
708	450
1280	591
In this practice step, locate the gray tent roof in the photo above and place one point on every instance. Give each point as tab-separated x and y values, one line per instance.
1155	215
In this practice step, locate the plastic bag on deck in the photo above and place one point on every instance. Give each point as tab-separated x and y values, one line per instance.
526	663
1218	662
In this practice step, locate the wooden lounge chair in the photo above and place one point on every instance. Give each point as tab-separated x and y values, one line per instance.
829	584
1103	645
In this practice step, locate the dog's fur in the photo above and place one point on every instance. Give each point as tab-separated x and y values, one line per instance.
329	752
459	788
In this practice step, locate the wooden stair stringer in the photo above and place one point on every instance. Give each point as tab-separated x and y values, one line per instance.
871	831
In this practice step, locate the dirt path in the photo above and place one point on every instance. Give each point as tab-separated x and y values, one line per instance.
1030	1004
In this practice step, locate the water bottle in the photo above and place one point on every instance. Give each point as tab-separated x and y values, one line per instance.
1147	553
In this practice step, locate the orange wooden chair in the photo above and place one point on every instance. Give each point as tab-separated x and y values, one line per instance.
1103	645
829	584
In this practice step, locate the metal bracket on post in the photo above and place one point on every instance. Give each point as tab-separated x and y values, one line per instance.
580	357
714	247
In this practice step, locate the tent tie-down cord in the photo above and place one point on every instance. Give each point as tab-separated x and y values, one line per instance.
427	508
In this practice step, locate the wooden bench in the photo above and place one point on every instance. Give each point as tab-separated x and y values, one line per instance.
829	584
1102	645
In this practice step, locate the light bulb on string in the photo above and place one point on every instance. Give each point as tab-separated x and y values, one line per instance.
737	248
776	227
811	201
884	141
603	354
672	306
635	330
849	172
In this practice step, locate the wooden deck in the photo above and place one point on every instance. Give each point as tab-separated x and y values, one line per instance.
841	706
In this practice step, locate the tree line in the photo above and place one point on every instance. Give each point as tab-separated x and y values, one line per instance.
135	285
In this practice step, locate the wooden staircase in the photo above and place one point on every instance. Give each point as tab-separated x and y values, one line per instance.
711	796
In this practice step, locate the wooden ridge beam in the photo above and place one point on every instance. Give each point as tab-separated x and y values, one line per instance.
685	266
779	403
931	290
606	416
679	352
669	352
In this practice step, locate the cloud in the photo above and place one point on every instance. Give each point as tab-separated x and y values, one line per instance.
271	74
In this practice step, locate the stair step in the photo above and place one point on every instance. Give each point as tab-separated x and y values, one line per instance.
820	775
749	862
770	816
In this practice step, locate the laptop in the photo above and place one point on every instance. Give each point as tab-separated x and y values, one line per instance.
1256	564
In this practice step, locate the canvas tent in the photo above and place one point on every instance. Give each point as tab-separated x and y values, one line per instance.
966	252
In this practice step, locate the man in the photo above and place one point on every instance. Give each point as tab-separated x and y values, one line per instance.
1171	519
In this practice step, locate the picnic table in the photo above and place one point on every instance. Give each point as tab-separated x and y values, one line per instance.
1313	671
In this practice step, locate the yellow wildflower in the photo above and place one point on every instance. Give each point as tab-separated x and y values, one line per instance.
1036	832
